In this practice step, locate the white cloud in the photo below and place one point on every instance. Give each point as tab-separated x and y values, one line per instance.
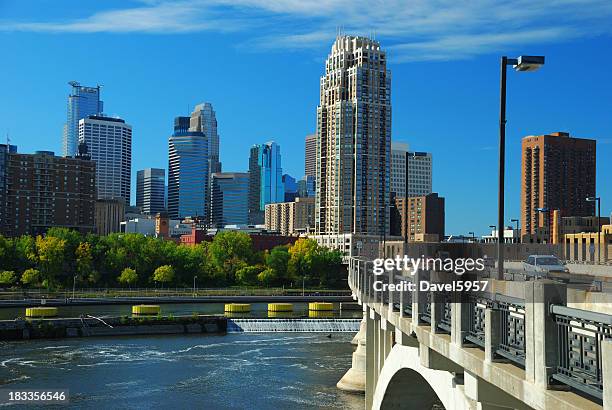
412	29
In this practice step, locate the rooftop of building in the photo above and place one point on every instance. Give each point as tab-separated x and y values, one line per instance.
102	117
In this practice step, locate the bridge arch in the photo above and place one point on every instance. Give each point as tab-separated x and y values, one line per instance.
404	383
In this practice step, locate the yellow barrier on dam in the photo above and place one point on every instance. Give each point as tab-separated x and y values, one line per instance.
321	306
41	312
237	307
280	307
146	309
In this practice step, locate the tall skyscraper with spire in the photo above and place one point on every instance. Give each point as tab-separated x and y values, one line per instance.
82	102
188	176
204	120
354	140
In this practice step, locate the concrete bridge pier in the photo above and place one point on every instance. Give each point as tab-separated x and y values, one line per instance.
354	380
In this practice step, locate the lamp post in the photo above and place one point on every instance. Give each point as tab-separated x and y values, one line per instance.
73	286
194	285
523	63
598	199
518	232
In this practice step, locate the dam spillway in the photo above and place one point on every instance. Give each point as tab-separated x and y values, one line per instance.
293	325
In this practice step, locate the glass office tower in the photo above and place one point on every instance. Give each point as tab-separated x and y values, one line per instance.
266	179
188	171
229	199
151	190
82	102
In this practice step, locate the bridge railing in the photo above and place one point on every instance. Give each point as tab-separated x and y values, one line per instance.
562	345
579	356
512	328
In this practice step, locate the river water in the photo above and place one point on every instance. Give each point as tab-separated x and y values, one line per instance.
234	371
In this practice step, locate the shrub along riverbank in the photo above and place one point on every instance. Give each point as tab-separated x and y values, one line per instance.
62	256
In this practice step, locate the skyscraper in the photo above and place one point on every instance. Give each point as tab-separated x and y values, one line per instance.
354	140
229	199
109	141
290	187
150	190
265	179
188	173
411	172
557	173
310	155
82	102
203	119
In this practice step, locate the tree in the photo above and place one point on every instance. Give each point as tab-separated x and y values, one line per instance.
128	277
267	277
230	251
30	277
7	277
25	249
164	274
302	258
84	259
6	251
248	274
277	261
51	254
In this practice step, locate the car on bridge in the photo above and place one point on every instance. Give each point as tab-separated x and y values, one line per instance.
540	266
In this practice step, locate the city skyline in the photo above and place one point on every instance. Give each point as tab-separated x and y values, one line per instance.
458	124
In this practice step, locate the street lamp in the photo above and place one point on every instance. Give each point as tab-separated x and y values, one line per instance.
598	199
523	63
73	285
517	229
546	211
194	285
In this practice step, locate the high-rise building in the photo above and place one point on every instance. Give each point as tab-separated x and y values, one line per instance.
151	190
419	218
557	173
109	213
203	119
399	152
82	102
290	218
419	173
306	187
265	179
354	140
45	191
411	172
229	199
310	157
290	187
5	150
109	141
188	174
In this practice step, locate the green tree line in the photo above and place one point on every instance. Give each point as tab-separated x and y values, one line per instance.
134	260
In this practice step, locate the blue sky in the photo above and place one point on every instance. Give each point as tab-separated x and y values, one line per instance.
259	62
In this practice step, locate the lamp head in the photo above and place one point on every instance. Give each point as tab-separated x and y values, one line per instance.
529	63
